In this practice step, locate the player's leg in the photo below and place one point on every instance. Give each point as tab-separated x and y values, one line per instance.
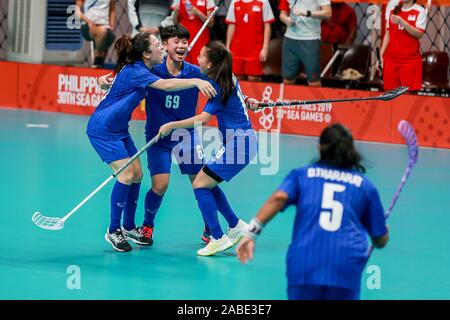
290	61
103	38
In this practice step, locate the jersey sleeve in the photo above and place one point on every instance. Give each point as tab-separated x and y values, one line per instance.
231	18
373	217
268	16
421	22
210	5
390	6
291	187
148	78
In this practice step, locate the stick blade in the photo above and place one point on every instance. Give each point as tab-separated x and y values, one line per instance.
47	223
408	133
394	93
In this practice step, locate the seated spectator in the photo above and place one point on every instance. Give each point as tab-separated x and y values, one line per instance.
147	15
99	17
341	27
248	36
301	45
400	51
192	14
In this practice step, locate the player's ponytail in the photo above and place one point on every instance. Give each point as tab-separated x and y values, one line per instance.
221	67
337	148
129	50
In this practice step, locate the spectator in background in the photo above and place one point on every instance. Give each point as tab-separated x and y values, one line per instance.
400	51
220	28
99	18
147	15
341	27
192	14
301	45
248	36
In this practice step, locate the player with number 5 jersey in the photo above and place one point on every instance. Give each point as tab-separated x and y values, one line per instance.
337	209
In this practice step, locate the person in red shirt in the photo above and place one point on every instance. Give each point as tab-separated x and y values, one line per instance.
248	36
400	51
341	27
192	14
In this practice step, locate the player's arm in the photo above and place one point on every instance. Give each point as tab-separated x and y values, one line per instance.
385	43
323	13
180	84
265	49
277	201
202	118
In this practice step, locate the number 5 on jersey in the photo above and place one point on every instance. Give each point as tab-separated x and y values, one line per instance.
331	219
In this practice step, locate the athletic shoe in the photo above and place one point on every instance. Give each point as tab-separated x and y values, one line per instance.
117	240
235	234
137	236
215	246
206	237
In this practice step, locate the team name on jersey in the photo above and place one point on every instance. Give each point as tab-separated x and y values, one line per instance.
335	175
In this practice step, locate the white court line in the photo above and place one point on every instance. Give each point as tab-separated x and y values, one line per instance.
35	125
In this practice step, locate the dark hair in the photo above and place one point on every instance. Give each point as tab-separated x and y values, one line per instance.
337	148
129	50
398	7
177	31
221	69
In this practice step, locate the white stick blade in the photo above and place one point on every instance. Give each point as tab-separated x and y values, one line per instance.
48	223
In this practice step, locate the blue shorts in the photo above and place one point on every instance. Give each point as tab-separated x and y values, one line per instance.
188	153
319	292
234	156
113	150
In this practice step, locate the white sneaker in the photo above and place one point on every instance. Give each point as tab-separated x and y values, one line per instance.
235	234
215	246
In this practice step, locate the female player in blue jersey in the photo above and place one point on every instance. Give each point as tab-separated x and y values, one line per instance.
239	140
108	126
337	207
163	107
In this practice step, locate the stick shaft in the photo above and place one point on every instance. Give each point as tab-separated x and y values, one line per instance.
303	102
111	177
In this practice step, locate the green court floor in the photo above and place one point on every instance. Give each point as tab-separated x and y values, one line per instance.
52	168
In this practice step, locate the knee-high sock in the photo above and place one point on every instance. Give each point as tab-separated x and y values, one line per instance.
119	197
208	208
224	207
130	209
152	204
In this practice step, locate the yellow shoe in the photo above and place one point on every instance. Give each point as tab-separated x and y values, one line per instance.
215	246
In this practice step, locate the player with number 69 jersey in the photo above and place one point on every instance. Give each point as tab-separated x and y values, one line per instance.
337	209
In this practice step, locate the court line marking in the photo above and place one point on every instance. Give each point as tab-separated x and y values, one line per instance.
37	125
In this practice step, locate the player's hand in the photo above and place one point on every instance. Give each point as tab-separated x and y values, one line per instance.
299	12
252	104
245	249
105	81
396	19
263	54
206	88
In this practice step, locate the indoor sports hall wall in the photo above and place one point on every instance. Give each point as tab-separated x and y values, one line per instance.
74	90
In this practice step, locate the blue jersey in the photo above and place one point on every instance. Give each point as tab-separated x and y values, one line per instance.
163	107
111	117
336	210
232	114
